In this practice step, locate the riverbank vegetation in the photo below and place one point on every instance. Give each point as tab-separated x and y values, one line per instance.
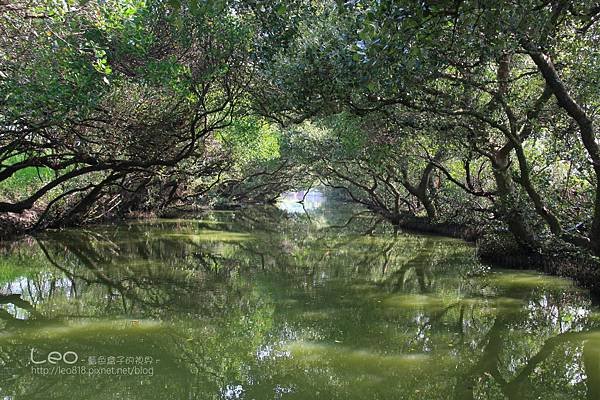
471	116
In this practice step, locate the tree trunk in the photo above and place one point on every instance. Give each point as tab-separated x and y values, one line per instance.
584	122
421	192
509	207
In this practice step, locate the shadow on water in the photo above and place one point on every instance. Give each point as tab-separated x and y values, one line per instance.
260	303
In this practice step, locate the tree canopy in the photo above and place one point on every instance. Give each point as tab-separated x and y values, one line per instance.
471	113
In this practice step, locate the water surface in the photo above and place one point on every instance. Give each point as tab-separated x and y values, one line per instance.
264	304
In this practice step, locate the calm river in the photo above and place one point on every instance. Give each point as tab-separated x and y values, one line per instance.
263	303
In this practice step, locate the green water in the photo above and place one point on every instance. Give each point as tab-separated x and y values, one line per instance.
260	304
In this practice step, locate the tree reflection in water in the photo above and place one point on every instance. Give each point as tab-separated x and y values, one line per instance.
262	304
